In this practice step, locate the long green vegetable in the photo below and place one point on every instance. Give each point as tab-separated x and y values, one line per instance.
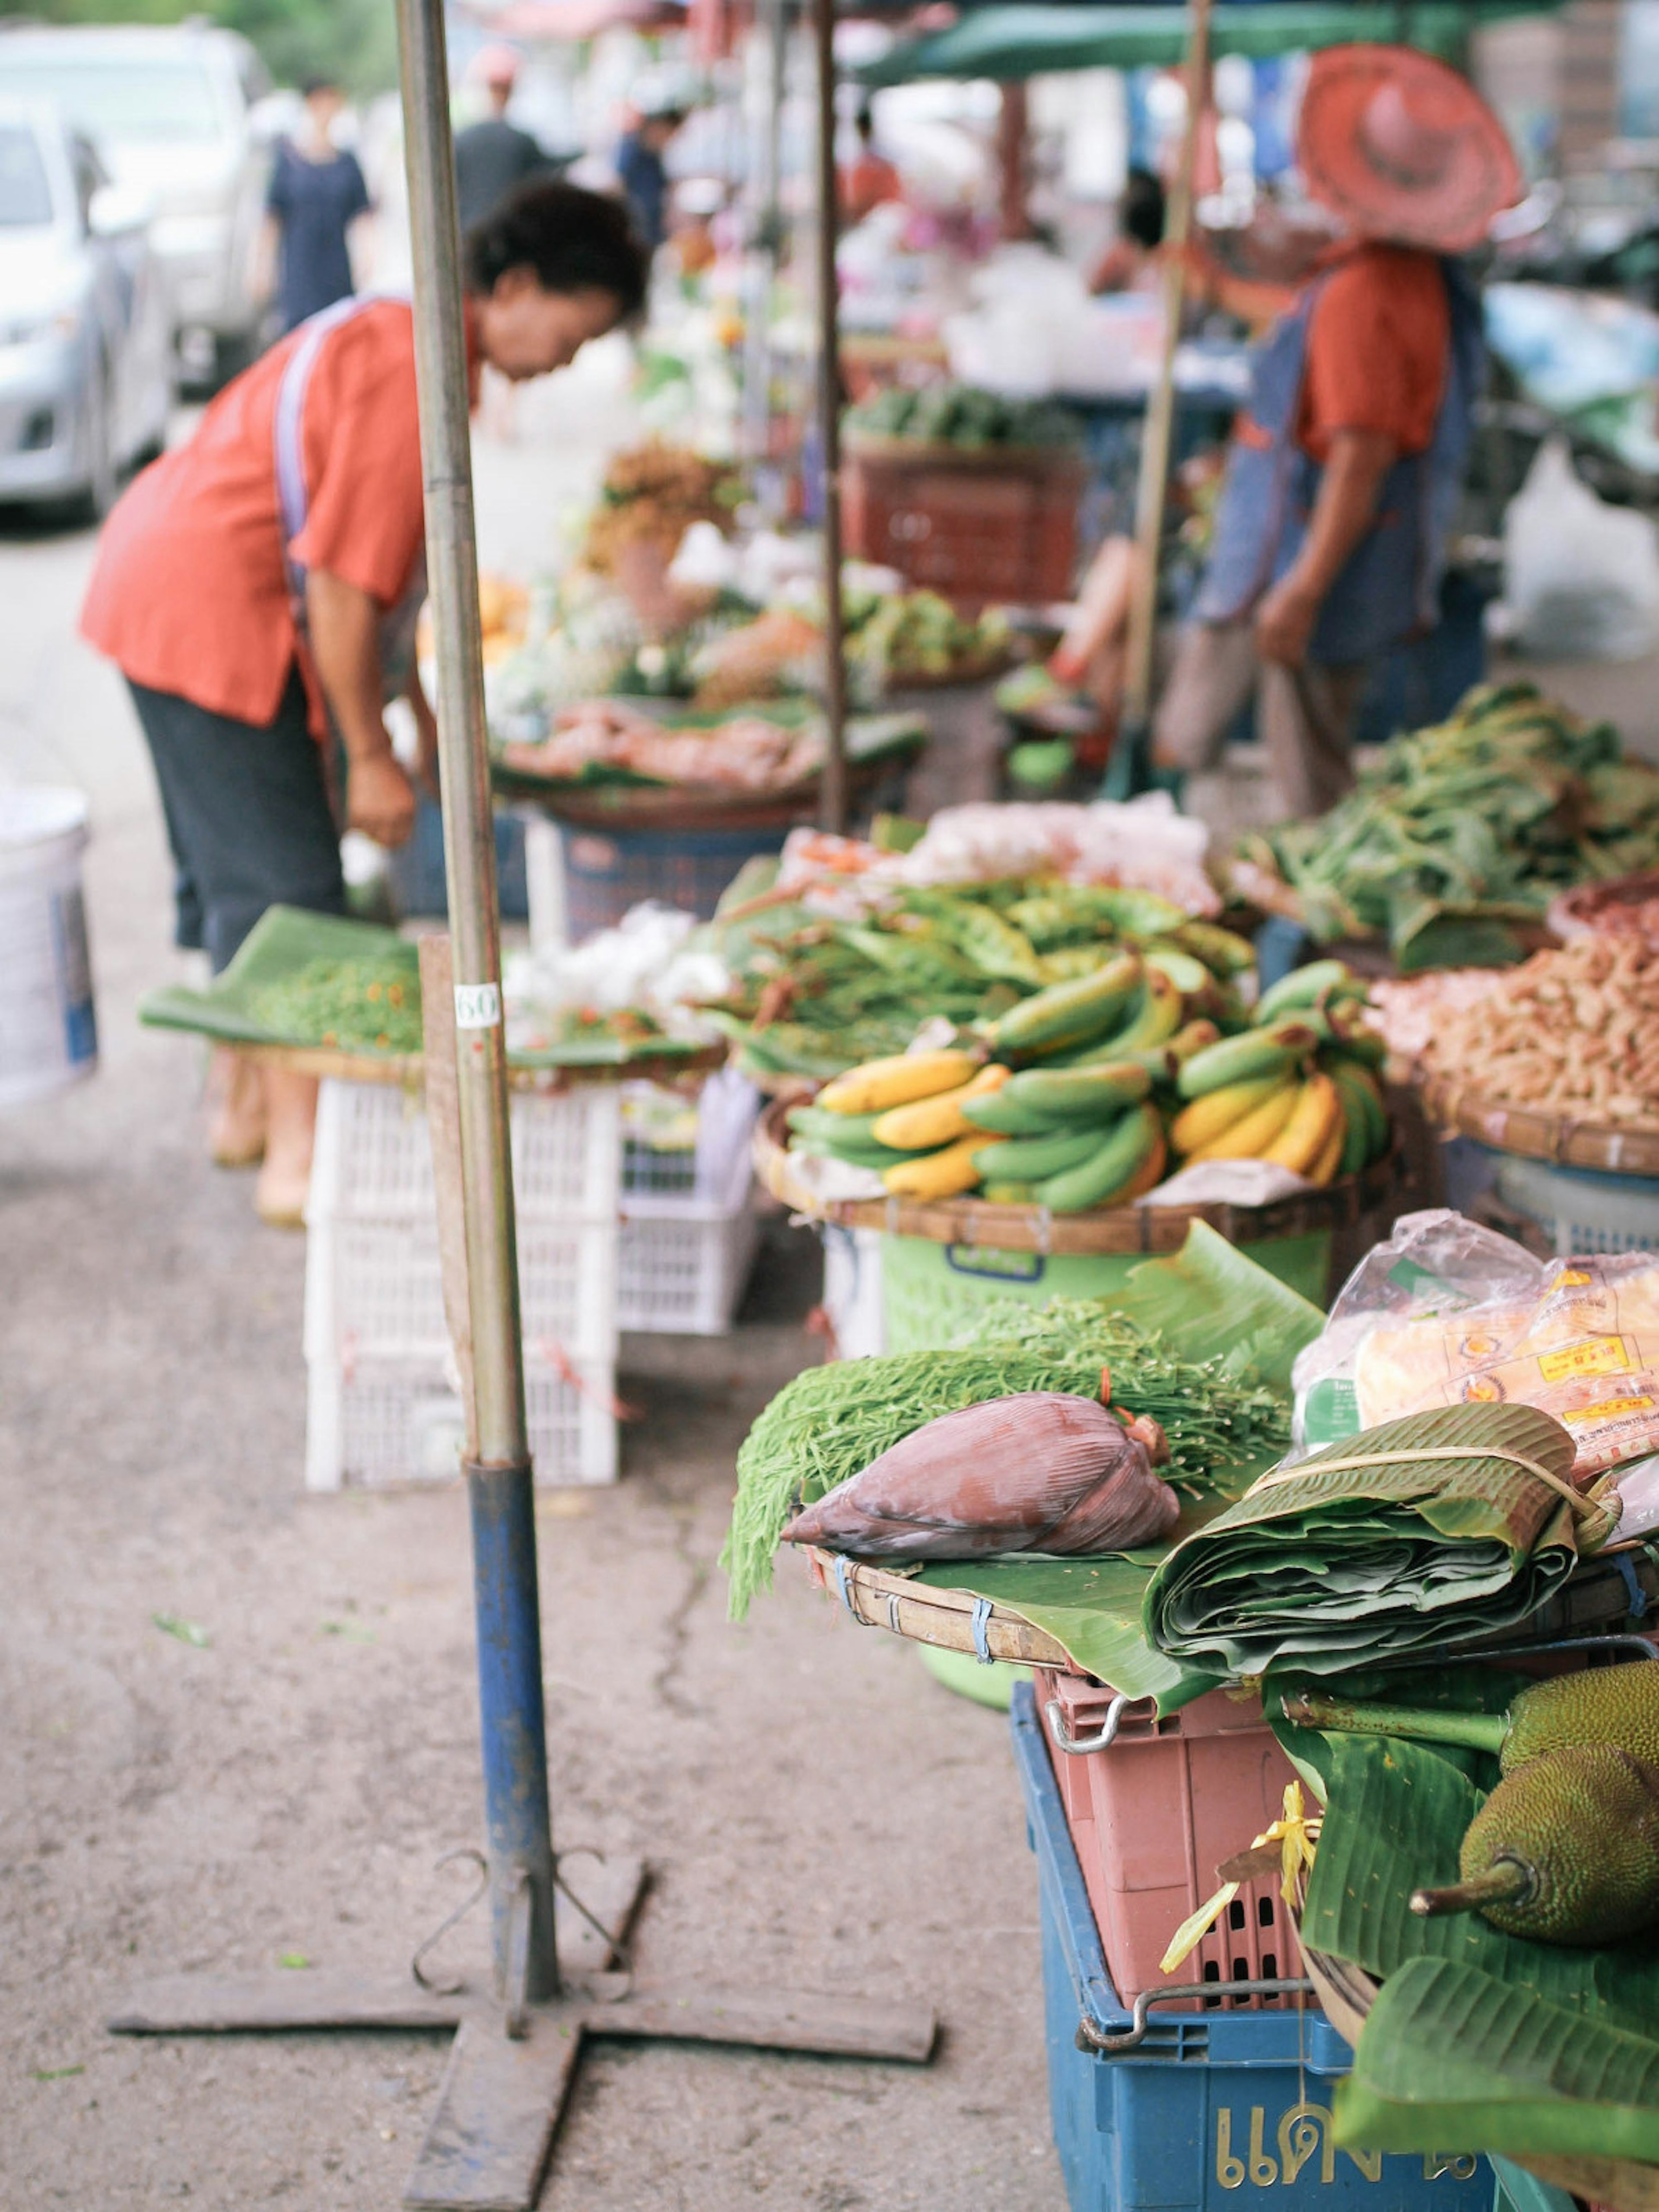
832	1421
1460	828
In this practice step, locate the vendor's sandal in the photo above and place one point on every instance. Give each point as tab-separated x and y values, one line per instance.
279	1196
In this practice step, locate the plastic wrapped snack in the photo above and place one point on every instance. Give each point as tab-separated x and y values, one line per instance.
1447	1313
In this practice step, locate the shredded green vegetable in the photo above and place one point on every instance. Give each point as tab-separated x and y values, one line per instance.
831	1421
359	1006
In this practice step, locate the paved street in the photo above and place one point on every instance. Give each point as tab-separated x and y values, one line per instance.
819	1812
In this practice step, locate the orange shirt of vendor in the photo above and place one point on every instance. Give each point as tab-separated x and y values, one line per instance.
1379	346
871	182
189	593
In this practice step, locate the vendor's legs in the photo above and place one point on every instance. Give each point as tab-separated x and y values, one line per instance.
1305	717
1215	672
290	1127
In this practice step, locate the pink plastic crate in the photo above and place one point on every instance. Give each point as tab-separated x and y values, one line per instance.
1154	1814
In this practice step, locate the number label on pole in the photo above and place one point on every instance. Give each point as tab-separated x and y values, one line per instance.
477	1005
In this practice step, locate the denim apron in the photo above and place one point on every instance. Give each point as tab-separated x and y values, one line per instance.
293	500
1388	589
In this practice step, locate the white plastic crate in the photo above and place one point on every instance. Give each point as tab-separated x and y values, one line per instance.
373	1155
378	1423
376	1288
852	1298
689	1230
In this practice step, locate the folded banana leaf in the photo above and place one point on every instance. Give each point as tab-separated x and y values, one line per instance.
1427	1535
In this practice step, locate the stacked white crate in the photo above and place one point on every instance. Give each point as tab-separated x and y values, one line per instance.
383	1402
689	1227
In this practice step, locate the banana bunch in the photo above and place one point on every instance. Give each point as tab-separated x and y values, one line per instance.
1299	1087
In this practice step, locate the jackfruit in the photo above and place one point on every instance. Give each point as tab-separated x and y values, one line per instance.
1617	1706
1564	1851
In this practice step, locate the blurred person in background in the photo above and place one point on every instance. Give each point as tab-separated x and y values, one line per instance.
316	195
871	181
258	586
1329	539
1129	263
643	173
493	156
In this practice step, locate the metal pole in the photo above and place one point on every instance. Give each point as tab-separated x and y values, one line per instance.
1153	490
499	1475
833	807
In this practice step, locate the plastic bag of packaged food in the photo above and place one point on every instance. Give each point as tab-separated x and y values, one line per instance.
1446	1313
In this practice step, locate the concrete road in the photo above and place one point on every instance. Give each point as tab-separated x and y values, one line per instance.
819	1812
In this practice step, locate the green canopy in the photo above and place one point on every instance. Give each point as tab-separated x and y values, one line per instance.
1017	41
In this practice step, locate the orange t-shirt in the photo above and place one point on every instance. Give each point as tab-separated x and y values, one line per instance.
1378	350
189	594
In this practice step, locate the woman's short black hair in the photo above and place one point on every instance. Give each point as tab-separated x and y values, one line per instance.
574	241
1140	216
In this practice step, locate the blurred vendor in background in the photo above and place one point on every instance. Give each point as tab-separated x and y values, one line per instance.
644	173
494	157
1129	263
316	199
258	587
871	181
1330	536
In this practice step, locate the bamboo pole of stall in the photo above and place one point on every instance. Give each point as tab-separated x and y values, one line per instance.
505	1596
1129	759
832	809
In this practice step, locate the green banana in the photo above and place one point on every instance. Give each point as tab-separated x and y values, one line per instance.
1184	970
1109	1170
1223	951
1009	1193
1154	1017
1237	1059
1081	1094
878	1156
1032	1159
1361	1045
1307	986
1004	1116
1356	1122
818	1121
1068	1013
1361	1099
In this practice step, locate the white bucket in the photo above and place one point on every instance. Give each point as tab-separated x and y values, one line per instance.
48	1032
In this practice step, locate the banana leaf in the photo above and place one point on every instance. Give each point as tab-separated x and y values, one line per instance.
1479	2040
232	1009
1330	1564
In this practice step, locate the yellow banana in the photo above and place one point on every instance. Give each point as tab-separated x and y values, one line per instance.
925	1123
1317	1111
1325	1167
880	1084
945	1174
1200	1124
1250	1139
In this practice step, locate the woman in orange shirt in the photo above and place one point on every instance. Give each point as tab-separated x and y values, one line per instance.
258	589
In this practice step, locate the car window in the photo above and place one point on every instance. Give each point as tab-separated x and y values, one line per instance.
116	101
25	194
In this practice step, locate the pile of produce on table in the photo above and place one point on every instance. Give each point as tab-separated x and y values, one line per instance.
1573	1032
963	415
651	497
1458	833
603	739
1076	1097
1204	1426
814	993
892	636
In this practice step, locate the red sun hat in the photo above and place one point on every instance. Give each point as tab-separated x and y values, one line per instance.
1403	148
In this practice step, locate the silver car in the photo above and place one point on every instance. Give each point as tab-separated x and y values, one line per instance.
86	357
171	110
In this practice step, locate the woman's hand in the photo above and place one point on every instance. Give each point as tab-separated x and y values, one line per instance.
380	798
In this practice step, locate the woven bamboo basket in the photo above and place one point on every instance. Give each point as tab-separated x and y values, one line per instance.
944	1618
1560	1138
624	807
1114	1229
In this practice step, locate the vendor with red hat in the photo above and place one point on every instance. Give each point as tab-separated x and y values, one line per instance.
1330	535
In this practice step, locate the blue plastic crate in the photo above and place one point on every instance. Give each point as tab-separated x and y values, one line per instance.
607	871
1213	2108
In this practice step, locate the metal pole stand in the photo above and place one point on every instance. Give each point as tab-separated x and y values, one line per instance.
515	2051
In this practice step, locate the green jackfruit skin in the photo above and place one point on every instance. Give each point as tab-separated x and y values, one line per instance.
1600	1705
1583	1824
